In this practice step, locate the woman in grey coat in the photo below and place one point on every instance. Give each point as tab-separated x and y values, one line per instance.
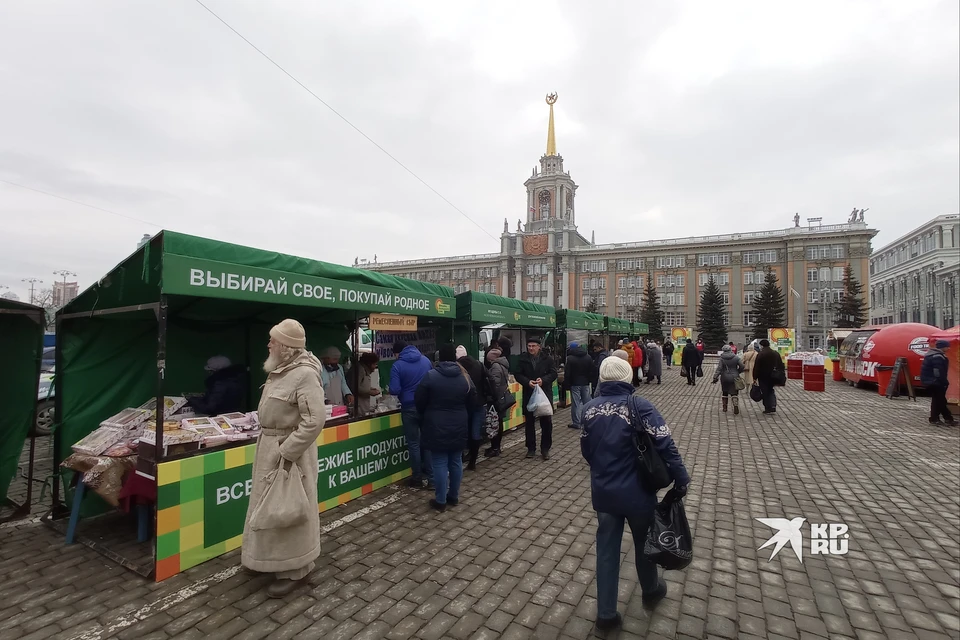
728	370
654	362
499	370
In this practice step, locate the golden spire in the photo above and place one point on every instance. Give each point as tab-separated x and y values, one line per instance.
551	140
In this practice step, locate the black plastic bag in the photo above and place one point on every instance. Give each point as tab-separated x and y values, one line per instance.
669	542
699	371
756	393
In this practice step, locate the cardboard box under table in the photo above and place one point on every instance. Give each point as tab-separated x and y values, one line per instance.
146	330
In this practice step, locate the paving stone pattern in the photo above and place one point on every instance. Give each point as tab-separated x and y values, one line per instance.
517	558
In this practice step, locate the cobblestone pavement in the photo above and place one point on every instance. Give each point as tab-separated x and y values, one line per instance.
516	559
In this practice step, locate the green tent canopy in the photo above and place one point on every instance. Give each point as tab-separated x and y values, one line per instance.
148	327
640	328
573	319
617	326
21	347
486	308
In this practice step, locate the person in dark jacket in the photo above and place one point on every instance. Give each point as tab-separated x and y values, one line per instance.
226	388
535	369
654	362
668	349
405	375
499	378
579	372
933	375
607	445
728	370
443	399
505	345
690	359
599	355
478	408
766	363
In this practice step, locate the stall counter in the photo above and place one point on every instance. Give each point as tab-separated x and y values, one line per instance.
202	500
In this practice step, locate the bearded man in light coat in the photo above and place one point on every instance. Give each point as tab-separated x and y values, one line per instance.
292	415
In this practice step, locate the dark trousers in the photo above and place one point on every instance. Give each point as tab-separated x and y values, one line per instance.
497	439
546	432
636	376
769	395
938	404
609	540
691	375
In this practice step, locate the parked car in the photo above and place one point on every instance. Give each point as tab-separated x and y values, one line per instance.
48	359
45	404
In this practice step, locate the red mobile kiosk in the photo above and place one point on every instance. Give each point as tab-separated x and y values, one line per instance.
882	348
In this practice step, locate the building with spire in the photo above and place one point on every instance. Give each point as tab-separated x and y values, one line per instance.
546	260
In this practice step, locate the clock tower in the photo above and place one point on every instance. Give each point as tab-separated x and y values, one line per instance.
550	190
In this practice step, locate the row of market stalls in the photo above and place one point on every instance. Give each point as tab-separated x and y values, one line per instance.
132	348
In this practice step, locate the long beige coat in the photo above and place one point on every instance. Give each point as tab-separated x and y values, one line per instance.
292	402
748	360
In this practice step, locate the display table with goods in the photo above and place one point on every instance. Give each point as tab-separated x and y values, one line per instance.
141	337
21	340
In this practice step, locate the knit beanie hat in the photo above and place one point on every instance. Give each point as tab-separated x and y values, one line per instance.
461	351
493	354
289	333
216	363
942	344
447	353
623	355
615	370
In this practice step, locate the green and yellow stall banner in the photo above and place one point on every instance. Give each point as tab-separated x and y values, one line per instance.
202	501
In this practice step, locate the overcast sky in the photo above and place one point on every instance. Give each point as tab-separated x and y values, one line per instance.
675	118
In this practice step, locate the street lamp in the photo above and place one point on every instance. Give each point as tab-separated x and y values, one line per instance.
63	292
33	282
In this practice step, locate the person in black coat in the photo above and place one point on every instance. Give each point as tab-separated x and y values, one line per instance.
478	408
443	398
690	359
668	353
226	388
535	369
580	371
766	363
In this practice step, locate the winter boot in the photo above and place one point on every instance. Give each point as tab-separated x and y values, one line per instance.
736	405
725	401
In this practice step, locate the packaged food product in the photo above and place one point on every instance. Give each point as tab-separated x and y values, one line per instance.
98	441
193	423
171	404
127	419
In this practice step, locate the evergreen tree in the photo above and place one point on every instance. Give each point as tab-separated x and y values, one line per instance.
592	306
769	305
650	312
852	312
713	330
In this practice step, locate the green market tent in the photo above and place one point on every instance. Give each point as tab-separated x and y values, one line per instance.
573	319
639	329
475	309
21	346
618	327
155	319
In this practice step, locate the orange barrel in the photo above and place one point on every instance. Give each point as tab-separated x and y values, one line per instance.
814	377
837	372
794	368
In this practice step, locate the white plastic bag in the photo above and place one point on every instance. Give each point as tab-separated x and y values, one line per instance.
539	405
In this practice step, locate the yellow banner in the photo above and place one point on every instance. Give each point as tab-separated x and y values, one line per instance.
390	322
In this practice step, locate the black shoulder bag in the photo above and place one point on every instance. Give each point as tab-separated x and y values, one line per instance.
651	469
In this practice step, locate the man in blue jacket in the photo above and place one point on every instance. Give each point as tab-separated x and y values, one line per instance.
405	375
606	442
933	375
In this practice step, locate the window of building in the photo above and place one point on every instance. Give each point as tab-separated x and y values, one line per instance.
670	262
529	285
726	318
826	252
760	257
672	299
814	342
748	297
713	259
750	318
675	318
628	264
813	296
813	275
559	285
725	297
838	274
602	300
621	283
813	317
825	274
632	299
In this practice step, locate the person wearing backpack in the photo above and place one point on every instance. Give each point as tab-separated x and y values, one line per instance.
607	444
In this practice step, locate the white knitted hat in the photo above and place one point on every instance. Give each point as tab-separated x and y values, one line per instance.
289	333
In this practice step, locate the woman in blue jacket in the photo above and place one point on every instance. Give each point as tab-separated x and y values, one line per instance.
606	441
442	398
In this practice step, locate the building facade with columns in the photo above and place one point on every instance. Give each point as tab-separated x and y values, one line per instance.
546	260
915	278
